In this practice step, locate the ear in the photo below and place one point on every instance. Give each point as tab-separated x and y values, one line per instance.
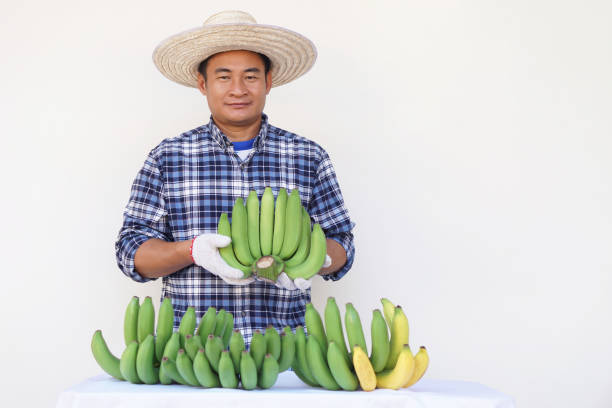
268	82
201	84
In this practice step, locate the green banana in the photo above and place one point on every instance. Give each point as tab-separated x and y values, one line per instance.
227	374
236	347
207	324
248	371
203	372
269	372
220	323
130	321
184	365
354	331
127	364
227	252
169	367
300	357
145	357
293	225
316	258
146	319
287	355
314	327
318	365
279	221
187	324
340	369
333	327
399	336
258	349
266	222
252	208
240	238
213	352
170	351
165	326
164	378
172	346
229	327
273	342
304	247
192	345
107	361
380	342
298	372
389	310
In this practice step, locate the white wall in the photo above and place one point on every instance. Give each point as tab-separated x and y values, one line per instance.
471	140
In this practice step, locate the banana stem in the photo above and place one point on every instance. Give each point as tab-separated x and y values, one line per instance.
268	268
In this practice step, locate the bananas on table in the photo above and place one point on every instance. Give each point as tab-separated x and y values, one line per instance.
273	236
212	354
322	358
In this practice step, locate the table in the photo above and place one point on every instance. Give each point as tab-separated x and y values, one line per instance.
103	391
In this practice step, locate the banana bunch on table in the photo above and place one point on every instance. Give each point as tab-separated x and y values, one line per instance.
322	358
211	355
272	236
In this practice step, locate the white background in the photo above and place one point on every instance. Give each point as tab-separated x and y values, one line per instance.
471	140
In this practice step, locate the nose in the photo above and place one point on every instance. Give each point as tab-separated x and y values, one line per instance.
238	87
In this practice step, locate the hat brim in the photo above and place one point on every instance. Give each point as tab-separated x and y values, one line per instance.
291	54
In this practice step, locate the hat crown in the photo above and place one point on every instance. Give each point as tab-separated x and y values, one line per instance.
230	17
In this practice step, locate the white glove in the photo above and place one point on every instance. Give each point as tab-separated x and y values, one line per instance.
205	253
302	284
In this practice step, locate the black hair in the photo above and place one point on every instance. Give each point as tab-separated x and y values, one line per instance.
203	64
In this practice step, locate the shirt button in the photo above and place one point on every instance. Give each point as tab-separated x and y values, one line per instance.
243	313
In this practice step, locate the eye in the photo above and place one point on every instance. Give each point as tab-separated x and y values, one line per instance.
251	77
223	77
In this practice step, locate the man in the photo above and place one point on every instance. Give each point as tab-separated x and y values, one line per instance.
170	221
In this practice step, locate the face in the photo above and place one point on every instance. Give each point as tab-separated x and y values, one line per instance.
236	87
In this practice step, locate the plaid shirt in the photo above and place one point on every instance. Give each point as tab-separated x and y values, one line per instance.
186	183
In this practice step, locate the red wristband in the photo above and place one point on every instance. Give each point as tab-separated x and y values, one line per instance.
191	250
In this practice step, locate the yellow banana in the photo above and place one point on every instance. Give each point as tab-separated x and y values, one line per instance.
388	310
400	374
399	336
421	362
363	369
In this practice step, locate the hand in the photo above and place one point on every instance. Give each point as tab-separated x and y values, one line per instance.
284	281
302	284
205	253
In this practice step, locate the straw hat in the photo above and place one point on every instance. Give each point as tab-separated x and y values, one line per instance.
178	57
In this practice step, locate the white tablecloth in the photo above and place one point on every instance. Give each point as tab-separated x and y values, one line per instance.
288	392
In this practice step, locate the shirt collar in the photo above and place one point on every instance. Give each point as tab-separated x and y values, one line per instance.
225	143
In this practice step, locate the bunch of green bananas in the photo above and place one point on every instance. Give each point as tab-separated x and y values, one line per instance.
322	358
273	236
213	355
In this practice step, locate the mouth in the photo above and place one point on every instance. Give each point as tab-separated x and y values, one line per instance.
239	105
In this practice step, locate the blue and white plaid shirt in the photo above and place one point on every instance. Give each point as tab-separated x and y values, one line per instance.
186	183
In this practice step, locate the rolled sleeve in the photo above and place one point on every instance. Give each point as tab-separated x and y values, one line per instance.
327	208
145	217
